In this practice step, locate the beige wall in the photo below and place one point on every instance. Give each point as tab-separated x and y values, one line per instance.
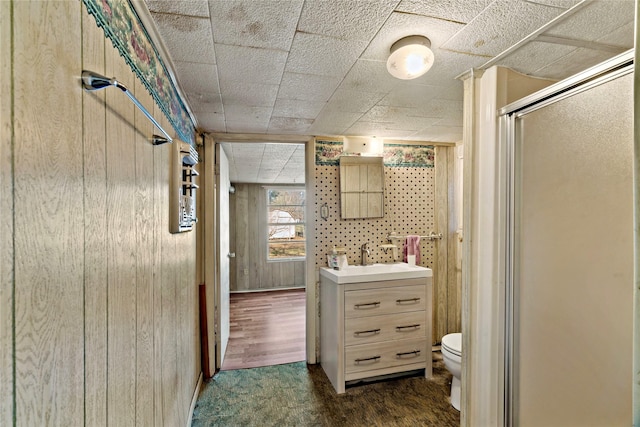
98	308
248	241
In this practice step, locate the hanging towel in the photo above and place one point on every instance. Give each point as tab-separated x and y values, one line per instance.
412	247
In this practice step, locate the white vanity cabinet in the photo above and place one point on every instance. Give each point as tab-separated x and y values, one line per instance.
374	328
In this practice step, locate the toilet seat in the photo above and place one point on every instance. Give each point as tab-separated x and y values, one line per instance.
453	343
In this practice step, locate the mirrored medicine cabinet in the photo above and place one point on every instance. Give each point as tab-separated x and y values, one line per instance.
361	187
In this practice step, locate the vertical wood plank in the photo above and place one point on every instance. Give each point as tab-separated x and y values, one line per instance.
6	219
160	228
95	229
144	202
242	239
453	289
121	259
169	386
49	248
441	217
255	240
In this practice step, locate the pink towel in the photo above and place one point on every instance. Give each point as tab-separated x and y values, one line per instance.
412	247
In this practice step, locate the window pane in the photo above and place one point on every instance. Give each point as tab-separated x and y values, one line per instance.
286	214
286	223
285	197
286	250
286	232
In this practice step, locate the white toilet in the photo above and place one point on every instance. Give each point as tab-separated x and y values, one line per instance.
451	349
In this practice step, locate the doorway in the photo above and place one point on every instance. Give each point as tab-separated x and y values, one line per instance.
266	254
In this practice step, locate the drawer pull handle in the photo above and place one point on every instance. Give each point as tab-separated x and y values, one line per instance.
403	328
369	332
367	305
408	301
414	353
367	359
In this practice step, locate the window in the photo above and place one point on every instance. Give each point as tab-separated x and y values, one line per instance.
285	223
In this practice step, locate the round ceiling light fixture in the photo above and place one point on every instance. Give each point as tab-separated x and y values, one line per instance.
410	57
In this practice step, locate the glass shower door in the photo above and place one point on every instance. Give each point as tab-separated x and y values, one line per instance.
573	259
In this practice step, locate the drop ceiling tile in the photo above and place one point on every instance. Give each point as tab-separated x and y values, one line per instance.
289	125
461	11
246	126
502	24
451	92
453	120
250	94
323	56
440	108
622	36
410	95
345	19
296	108
565	4
534	56
448	65
353	101
576	61
380	130
400	25
190	8
333	122
596	19
187	38
205	102
369	76
250	64
236	112
440	134
211	122
263	24
197	77
307	87
399	118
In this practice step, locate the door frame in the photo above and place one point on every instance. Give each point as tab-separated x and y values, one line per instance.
211	213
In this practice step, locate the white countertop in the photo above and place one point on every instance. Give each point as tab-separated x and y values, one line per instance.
375	273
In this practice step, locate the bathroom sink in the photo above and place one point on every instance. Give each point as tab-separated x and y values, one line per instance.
375	273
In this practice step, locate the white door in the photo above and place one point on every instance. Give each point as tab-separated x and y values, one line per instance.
222	279
573	259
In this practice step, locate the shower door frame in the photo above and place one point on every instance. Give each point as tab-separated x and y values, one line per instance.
607	71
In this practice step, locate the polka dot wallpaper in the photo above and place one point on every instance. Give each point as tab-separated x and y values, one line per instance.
408	209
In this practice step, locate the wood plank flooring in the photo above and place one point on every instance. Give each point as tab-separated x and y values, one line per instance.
267	328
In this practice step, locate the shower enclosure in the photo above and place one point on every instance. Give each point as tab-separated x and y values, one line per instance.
569	335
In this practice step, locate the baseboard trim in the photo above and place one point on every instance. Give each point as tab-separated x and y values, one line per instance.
194	398
247	291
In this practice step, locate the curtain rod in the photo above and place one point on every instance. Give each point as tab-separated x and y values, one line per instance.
93	81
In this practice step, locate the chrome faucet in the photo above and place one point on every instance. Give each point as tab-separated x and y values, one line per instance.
364	252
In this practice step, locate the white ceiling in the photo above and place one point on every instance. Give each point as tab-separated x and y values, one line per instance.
317	67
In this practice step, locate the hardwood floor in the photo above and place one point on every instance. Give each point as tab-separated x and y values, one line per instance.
266	328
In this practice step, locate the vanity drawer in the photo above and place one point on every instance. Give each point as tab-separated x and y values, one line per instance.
384	355
364	330
373	302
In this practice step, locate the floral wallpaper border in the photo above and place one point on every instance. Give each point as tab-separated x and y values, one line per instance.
395	155
121	24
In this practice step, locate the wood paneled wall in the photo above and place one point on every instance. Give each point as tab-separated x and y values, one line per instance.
248	240
446	284
98	309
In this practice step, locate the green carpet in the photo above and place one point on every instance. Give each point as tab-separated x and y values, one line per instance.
298	394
